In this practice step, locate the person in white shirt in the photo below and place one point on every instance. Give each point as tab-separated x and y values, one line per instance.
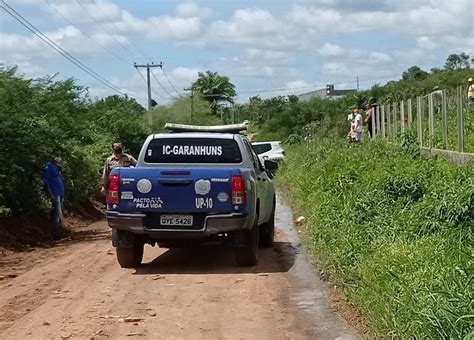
351	133
358	126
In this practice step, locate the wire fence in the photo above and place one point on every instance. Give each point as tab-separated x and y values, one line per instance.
442	119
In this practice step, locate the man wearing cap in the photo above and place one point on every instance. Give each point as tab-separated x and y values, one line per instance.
118	158
54	187
470	91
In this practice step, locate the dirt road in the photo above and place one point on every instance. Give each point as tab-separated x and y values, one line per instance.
77	290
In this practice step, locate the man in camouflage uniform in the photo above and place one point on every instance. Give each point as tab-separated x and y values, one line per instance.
118	158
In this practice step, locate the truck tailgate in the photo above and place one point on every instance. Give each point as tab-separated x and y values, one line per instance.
187	190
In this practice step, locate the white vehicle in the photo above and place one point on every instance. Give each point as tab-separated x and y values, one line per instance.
269	150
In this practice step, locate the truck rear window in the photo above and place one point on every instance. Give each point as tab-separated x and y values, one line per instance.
193	150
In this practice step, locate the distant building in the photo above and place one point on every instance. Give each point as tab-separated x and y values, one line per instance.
328	92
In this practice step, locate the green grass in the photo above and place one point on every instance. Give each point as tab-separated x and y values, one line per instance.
394	229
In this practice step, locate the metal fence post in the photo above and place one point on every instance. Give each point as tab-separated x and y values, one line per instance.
410	112
395	128
402	117
444	120
382	121
419	118
388	121
372	122
430	120
460	122
377	120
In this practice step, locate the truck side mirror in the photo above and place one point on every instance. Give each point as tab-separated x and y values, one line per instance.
271	166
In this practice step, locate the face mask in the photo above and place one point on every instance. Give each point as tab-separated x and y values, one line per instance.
118	150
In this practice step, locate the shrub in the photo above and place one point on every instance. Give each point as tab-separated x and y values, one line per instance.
394	230
43	118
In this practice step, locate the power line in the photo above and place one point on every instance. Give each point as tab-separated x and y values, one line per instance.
105	30
152	89
159	83
85	34
166	76
141	75
119	30
24	22
29	26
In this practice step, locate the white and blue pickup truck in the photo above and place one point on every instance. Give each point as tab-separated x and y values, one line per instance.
193	185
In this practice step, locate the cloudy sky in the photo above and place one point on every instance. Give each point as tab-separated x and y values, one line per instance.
266	47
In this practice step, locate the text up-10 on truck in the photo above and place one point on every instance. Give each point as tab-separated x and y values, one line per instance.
193	185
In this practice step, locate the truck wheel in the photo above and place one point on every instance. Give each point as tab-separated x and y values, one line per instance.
267	232
248	255
129	257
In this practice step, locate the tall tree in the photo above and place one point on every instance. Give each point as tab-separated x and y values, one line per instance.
414	73
215	89
457	61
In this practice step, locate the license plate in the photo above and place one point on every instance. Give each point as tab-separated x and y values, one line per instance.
178	220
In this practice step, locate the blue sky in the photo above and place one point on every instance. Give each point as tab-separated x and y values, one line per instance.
266	47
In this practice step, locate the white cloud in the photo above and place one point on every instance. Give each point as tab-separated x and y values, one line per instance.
336	68
320	19
184	74
17	47
331	50
460	43
191	9
163	27
29	70
378	57
258	55
87	12
297	84
110	19
420	17
253	27
426	43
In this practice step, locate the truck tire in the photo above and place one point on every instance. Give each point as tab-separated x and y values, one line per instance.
248	255
267	231
130	257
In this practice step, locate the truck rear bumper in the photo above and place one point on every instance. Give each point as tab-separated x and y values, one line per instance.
213	224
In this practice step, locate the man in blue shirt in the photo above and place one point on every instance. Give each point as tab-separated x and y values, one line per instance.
54	186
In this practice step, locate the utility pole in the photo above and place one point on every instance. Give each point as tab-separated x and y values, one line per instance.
192	100
148	84
357	78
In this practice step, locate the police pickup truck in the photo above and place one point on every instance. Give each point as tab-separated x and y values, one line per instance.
192	185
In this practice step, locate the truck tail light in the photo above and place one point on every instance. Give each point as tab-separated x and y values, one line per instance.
239	195
113	192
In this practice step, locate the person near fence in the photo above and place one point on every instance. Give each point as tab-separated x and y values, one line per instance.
351	135
369	115
470	91
437	96
54	187
358	127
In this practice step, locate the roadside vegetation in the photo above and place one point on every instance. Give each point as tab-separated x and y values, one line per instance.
394	229
45	117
